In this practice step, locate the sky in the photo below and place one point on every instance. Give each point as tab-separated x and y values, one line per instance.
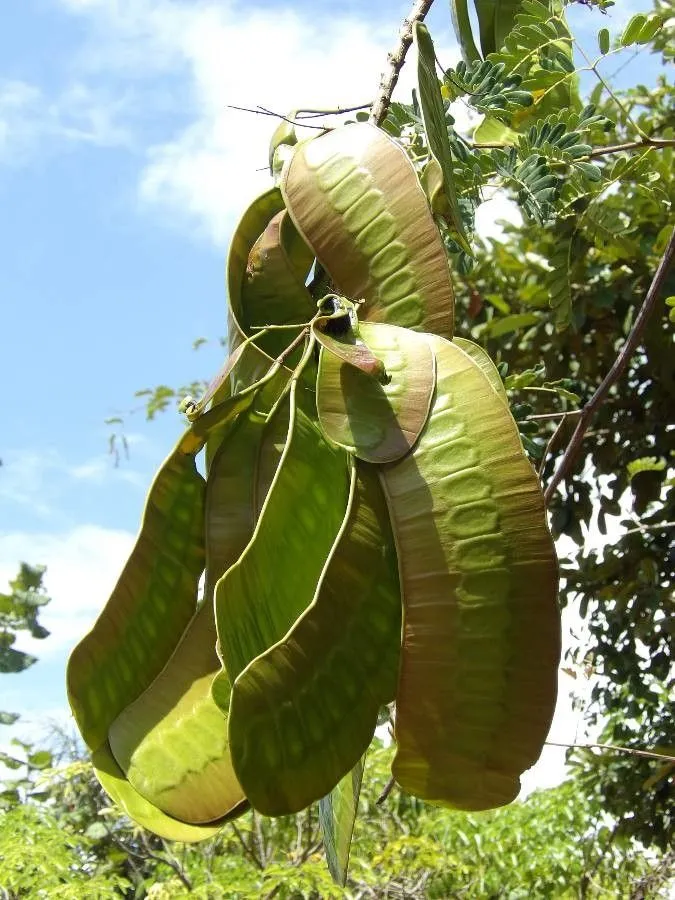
122	175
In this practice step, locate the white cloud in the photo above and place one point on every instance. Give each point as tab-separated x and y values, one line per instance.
29	119
204	174
39	480
83	565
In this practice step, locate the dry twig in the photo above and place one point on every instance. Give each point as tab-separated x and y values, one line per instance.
396	60
617	370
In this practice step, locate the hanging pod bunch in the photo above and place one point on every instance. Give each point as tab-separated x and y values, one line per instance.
368	531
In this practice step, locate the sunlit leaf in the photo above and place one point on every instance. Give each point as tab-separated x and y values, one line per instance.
337	813
436	128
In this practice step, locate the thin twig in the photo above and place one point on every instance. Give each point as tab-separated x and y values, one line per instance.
553	415
396	60
643	529
270	112
631	145
248	853
617	370
338	111
648	754
550	445
261	111
658	143
385	793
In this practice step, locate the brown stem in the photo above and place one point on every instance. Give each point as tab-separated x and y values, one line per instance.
648	754
385	793
396	60
248	853
631	145
617	370
552	442
599	151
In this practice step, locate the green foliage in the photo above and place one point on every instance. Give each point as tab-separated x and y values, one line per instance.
19	611
489	87
39	859
553	844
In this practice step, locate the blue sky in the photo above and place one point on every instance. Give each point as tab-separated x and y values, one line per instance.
122	173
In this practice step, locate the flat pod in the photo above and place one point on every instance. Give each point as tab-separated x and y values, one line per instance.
274	292
251	225
304	712
482	358
378	423
263	593
150	606
171	743
114	783
355	198
481	633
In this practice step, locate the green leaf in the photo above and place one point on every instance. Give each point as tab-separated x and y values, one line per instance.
492	131
8	718
498	327
461	22
377	244
377	422
337	814
645	464
603	40
649	29
632	30
42	759
481	633
436	128
304	712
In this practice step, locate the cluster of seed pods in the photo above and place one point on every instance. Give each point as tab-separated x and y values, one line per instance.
368	529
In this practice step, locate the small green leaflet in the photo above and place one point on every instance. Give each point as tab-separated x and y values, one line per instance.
436	127
337	814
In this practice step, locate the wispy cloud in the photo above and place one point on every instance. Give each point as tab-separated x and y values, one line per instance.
40	480
30	120
203	174
83	564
